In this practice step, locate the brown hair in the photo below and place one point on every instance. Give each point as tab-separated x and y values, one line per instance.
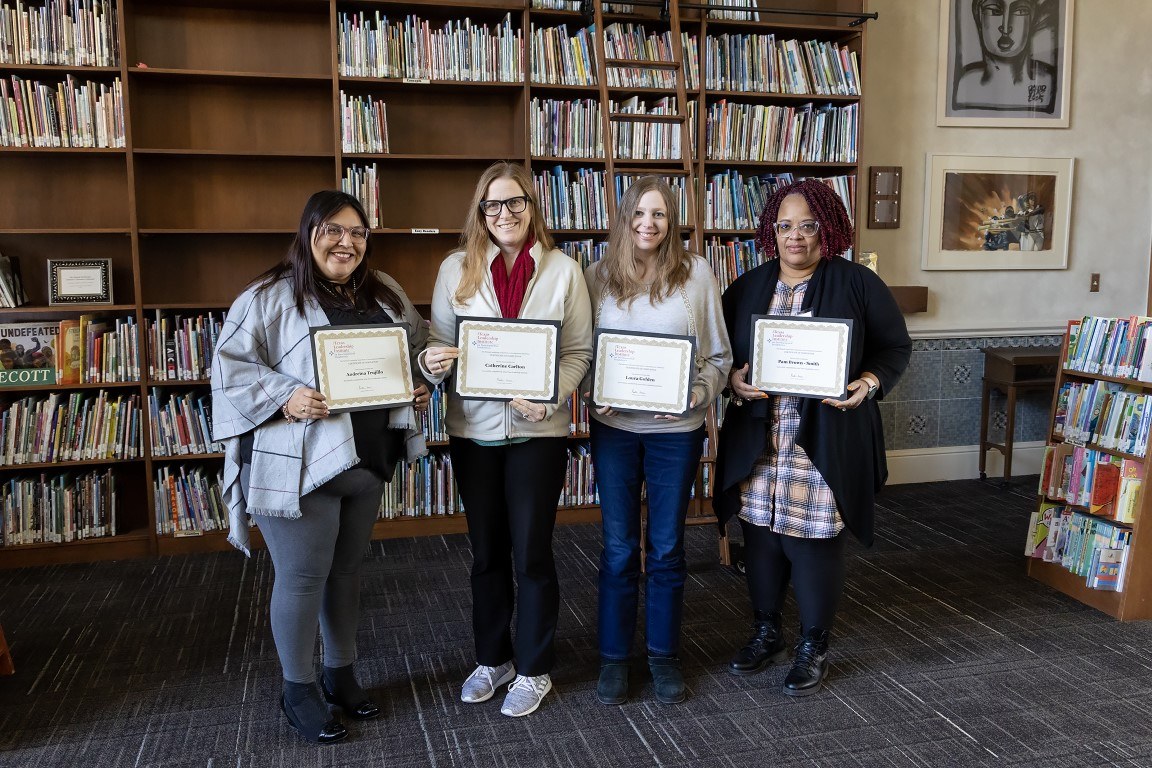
475	240
618	267
836	231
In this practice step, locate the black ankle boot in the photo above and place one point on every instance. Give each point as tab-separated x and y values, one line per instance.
306	713
766	645
667	679
342	690
810	666
612	687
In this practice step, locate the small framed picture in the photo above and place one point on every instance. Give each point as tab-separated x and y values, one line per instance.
79	281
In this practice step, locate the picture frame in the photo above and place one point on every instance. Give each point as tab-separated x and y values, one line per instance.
1020	79
997	213
79	281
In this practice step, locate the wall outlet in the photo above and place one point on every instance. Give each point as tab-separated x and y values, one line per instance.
1094	284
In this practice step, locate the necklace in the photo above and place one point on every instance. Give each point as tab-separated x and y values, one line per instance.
346	292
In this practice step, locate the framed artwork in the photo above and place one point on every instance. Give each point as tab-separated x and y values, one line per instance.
1005	63
79	281
997	212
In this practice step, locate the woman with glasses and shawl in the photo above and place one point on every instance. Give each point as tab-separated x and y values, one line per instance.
310	479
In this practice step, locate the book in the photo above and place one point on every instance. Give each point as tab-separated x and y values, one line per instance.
11	287
1105	486
1128	494
1104	573
1038	529
28	353
68	352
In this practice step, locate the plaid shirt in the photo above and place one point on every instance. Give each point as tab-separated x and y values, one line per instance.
785	491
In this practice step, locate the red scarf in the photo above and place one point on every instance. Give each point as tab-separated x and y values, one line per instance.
510	288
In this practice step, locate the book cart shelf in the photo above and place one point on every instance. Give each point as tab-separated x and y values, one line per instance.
1134	602
233	113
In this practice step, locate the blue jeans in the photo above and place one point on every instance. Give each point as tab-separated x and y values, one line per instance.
667	462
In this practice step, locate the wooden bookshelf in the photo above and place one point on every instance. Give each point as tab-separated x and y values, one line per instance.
1135	602
232	118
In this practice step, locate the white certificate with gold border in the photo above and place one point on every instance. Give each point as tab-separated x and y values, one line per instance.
362	366
635	371
801	356
504	358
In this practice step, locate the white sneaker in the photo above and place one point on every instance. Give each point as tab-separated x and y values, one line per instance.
484	681
525	695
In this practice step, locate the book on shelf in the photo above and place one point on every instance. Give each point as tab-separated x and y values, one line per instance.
28	353
1039	527
11	286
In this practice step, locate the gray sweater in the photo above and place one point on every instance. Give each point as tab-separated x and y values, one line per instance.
671	316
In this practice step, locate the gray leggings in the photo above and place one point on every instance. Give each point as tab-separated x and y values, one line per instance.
317	559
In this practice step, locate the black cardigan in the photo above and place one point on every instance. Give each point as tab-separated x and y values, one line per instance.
847	447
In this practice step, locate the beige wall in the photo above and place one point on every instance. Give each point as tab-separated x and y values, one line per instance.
1110	137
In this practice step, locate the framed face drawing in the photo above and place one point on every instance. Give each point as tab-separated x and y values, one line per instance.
997	212
1004	63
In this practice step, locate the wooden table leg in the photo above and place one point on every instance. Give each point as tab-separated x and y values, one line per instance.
984	429
1009	432
6	665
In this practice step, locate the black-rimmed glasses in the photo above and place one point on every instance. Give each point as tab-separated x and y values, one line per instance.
513	204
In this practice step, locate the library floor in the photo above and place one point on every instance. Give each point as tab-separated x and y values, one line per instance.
945	655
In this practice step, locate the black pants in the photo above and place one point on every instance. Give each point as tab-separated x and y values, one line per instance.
814	566
510	493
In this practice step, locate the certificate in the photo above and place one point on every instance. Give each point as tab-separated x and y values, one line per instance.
501	359
634	371
362	366
801	356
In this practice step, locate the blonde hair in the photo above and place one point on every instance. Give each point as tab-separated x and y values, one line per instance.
475	239
618	267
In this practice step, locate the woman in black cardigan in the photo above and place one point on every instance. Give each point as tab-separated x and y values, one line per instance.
799	472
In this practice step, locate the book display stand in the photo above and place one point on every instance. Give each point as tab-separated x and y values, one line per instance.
1088	537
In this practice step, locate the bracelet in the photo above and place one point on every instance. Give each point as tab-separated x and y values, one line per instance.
288	414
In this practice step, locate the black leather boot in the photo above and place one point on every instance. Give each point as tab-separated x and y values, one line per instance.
341	690
810	666
765	646
307	714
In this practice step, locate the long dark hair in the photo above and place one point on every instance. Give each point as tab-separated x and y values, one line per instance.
298	266
836	231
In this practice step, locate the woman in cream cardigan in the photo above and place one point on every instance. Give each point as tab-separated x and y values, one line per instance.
510	457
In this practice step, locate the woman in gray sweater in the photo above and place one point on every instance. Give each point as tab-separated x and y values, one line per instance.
648	282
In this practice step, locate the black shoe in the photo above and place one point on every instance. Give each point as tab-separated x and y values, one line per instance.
810	666
765	646
667	679
341	690
308	716
612	687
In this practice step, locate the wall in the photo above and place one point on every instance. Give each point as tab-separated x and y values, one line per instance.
1112	190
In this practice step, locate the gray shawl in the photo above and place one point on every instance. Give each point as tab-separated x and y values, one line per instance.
262	355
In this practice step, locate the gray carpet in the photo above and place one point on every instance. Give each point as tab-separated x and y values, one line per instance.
945	655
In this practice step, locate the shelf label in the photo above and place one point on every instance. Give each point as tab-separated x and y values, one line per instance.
23	376
416	80
183	534
425	231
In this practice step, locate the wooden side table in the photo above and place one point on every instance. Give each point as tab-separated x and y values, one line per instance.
6	665
1012	370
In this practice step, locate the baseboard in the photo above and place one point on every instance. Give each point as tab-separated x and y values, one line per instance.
960	462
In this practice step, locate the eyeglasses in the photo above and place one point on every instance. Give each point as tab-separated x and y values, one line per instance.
335	232
805	228
514	205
